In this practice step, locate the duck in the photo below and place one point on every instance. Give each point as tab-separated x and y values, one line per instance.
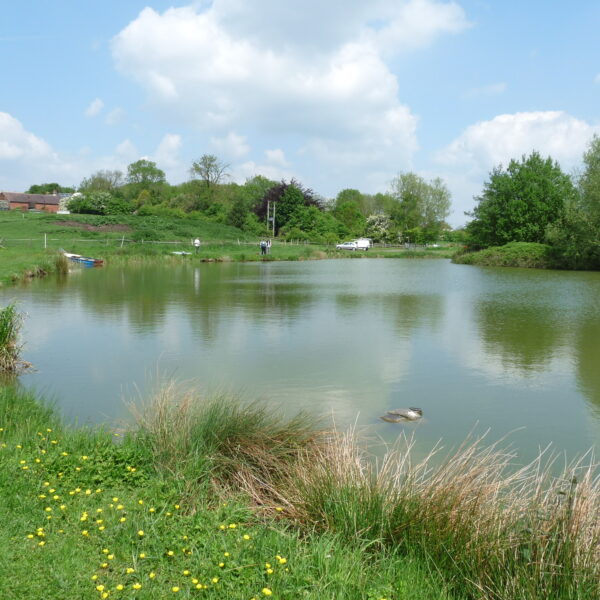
397	415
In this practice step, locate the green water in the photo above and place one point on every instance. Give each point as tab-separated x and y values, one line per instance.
513	351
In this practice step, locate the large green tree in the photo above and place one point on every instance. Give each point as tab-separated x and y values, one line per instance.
420	208
145	172
519	203
49	188
576	237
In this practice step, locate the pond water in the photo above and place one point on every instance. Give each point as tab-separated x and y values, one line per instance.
510	350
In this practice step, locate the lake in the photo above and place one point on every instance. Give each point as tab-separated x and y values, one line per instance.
514	351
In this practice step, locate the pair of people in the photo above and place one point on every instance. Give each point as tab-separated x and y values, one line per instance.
265	246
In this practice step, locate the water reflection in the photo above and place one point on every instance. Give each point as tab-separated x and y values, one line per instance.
523	335
496	347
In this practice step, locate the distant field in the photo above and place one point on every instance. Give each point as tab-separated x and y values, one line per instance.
30	242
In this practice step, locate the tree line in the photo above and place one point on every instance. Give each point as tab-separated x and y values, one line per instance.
412	210
533	200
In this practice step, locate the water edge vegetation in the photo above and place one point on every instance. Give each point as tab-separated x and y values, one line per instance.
230	499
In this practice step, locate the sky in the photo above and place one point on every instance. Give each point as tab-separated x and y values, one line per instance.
335	93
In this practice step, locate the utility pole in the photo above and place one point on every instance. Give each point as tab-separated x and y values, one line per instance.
274	205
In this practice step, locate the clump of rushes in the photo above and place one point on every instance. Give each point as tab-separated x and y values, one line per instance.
10	350
224	438
61	263
492	530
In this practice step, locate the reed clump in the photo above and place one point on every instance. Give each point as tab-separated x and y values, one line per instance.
194	437
492	530
10	350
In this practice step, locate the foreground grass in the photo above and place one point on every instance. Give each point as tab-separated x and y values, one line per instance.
159	514
231	500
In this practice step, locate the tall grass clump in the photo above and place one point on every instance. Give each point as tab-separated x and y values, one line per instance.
220	437
492	530
10	350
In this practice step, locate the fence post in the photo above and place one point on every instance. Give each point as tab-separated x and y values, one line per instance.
122	240
45	241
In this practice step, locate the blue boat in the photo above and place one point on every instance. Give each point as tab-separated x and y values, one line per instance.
87	261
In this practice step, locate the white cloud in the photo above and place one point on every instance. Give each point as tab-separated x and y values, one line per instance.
232	146
115	116
489	143
94	108
166	154
330	95
17	143
276	157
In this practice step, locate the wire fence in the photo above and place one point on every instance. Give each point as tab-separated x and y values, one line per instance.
51	242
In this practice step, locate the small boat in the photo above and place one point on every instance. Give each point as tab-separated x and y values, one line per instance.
84	260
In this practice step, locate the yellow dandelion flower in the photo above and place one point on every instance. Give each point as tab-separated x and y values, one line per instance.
170	553
115	499
84	532
232	526
194	581
152	509
140	502
152	575
282	561
246	536
94	577
177	507
104	565
119	586
137	586
222	527
225	553
101	528
221	564
110	556
142	555
100	587
269	571
175	589
186	572
215	580
129	570
267	592
88	492
140	533
122	520
105	551
278	508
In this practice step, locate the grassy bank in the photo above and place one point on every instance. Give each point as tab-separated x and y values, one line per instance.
160	512
230	500
30	242
515	254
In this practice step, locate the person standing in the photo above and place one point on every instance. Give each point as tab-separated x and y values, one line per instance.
197	245
263	247
269	246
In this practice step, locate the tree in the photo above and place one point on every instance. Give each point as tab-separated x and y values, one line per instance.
576	237
49	188
420	208
145	173
209	169
102	181
519	203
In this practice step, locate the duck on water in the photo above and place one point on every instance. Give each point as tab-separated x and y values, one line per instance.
399	415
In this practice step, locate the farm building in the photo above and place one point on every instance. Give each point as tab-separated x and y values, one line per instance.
18	201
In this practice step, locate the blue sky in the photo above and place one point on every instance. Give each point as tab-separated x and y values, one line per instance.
341	94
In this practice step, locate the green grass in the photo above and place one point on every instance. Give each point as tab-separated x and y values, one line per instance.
236	499
92	514
515	254
30	243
